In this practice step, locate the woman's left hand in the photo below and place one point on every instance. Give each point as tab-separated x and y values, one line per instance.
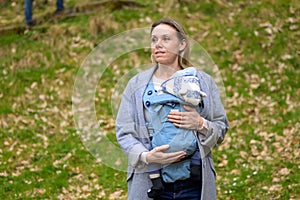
190	119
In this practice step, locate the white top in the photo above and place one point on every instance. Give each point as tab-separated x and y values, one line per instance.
157	84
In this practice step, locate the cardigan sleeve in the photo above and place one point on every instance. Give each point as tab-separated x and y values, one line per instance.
217	120
128	131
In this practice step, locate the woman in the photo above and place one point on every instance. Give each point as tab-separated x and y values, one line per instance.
170	52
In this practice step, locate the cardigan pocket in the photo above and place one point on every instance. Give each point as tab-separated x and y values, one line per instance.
211	164
129	175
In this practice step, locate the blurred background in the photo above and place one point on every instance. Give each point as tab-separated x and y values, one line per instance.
255	45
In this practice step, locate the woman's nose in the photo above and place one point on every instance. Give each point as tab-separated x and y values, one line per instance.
158	44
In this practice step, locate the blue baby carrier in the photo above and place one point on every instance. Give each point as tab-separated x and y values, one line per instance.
162	131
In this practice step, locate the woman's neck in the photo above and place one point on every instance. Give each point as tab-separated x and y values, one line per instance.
165	72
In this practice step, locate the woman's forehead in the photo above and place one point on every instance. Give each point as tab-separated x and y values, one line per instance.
163	29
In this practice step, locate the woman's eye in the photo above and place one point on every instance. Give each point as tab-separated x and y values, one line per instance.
154	39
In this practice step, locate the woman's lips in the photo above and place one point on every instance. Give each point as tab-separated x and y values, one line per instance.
159	52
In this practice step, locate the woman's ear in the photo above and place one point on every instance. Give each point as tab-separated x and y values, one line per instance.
182	45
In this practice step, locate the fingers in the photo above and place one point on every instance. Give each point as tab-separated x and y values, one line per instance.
178	119
161	148
158	156
169	155
173	157
175	116
185	120
176	154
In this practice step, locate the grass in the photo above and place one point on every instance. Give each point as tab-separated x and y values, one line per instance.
254	44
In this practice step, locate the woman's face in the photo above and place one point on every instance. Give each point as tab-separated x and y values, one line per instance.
165	45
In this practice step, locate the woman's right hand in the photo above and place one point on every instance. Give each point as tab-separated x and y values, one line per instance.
157	155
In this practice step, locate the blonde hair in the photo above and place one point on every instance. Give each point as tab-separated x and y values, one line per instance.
183	55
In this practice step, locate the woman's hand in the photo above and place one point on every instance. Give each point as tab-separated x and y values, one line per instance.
157	155
190	119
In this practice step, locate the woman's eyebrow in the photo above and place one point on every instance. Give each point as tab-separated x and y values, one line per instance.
153	35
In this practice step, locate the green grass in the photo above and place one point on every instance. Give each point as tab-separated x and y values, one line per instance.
254	44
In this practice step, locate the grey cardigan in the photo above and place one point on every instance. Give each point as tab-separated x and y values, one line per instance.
133	136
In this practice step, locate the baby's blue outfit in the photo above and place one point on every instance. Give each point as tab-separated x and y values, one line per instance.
164	132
